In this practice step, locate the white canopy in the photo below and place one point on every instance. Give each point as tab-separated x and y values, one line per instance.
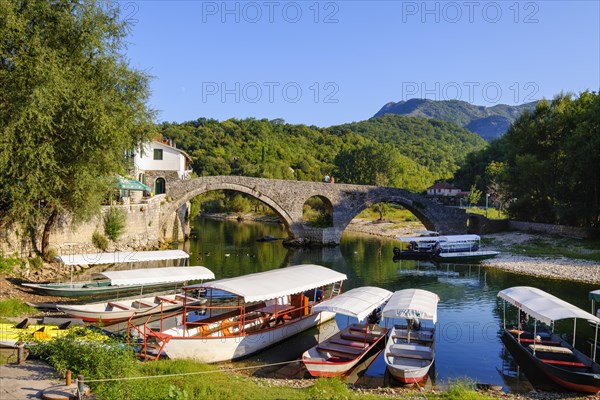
122	257
277	283
359	302
149	276
543	306
412	303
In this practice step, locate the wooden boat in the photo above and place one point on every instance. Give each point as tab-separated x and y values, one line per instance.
263	309
545	351
410	349
120	310
109	283
338	354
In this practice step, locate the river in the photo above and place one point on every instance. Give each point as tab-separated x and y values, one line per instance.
469	312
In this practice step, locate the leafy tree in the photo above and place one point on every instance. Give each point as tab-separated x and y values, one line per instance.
70	108
474	195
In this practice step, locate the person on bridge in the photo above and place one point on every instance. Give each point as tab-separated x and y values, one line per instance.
326	179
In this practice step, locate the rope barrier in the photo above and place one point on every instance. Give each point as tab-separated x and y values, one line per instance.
189	373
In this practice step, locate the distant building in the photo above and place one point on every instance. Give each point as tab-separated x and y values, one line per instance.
159	162
443	189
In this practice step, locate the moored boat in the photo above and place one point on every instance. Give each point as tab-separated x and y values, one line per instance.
339	353
263	309
410	349
120	310
544	350
109	283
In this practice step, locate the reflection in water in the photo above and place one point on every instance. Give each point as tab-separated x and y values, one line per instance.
469	313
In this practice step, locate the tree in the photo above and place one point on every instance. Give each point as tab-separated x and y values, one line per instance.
474	195
70	109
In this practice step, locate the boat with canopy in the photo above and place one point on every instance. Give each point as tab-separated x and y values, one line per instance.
448	248
541	348
410	349
339	353
124	281
259	310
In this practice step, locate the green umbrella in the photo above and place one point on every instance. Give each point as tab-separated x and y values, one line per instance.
131	184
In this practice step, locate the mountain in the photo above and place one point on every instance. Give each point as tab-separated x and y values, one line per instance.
488	122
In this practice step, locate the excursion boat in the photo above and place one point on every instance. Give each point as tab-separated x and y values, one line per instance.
257	311
122	282
121	310
449	248
341	352
546	351
410	349
416	247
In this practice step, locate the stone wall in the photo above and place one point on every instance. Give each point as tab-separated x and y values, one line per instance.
141	232
560	230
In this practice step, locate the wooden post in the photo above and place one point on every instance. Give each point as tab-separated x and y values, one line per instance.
80	387
68	378
21	353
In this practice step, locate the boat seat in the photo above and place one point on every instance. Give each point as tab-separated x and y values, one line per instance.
351	343
422	329
336	348
359	337
409	347
120	306
547	342
564	363
417	355
164	299
141	304
550	349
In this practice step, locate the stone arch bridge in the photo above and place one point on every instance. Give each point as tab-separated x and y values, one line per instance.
287	198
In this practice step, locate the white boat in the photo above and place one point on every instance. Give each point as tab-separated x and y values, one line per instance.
541	349
410	349
120	310
448	248
264	308
341	352
126	281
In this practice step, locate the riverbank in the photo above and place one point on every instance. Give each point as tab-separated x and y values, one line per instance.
511	246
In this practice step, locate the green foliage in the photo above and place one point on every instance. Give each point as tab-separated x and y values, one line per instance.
15	308
114	223
8	264
36	263
99	241
474	195
413	152
546	163
329	389
83	353
463	390
317	213
71	107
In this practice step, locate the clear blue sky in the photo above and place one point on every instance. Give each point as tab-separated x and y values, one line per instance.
330	62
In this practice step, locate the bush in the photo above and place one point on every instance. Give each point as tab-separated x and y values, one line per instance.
114	223
100	241
36	262
7	264
15	308
331	389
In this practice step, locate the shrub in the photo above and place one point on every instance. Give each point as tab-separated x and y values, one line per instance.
100	241
36	263
15	308
7	264
50	254
331	389
114	223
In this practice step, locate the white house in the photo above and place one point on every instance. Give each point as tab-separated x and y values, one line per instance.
158	163
442	189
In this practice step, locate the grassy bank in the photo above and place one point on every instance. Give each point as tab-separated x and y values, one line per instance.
15	308
187	380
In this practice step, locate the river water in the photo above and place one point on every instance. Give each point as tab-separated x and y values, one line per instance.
469	312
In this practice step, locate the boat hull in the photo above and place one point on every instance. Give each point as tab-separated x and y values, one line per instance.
459	257
572	380
78	290
409	356
224	348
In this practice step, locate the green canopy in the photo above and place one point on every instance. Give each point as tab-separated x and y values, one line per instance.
595	295
131	184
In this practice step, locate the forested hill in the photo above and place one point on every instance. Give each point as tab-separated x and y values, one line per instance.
488	122
398	151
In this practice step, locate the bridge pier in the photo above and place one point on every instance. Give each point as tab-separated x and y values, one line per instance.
304	235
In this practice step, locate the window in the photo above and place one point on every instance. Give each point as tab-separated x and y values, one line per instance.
158	154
